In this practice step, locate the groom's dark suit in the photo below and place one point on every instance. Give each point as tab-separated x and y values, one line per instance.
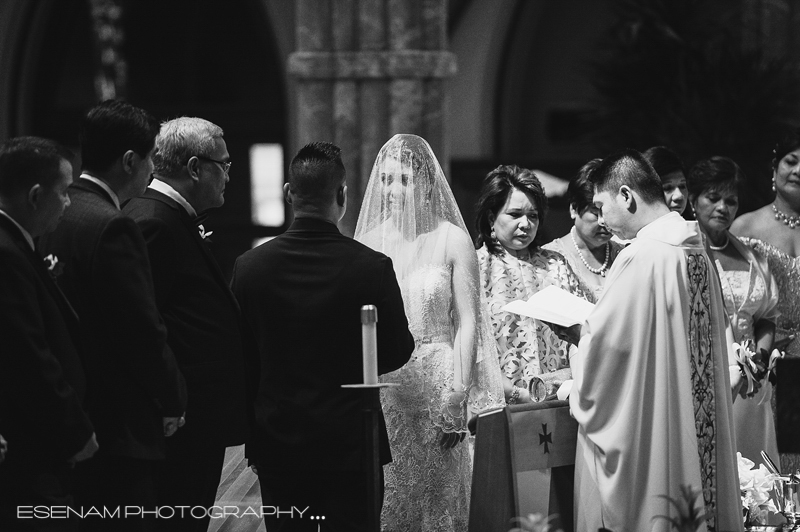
301	296
203	326
132	378
41	381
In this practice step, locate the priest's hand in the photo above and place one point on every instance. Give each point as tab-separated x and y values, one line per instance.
570	335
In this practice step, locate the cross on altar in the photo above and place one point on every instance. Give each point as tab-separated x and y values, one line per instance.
545	437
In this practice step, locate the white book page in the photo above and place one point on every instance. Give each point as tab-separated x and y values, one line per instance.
554	305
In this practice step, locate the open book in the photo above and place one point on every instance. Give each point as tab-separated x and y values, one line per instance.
554	305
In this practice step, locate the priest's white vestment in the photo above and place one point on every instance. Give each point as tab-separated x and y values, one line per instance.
652	390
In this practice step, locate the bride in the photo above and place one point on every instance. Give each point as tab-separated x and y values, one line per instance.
410	214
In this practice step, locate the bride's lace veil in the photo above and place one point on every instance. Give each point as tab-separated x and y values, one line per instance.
410	214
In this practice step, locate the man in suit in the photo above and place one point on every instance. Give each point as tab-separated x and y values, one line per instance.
201	314
135	393
41	378
301	296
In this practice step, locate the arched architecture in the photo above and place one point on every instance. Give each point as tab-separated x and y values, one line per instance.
485	81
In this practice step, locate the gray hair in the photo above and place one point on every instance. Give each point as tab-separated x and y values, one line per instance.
182	138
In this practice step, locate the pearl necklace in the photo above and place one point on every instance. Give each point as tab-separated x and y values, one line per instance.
791	221
597	271
719	248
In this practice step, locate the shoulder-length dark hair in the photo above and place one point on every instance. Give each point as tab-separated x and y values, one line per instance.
714	173
497	186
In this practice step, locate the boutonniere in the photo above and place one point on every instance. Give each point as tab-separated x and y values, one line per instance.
203	233
53	266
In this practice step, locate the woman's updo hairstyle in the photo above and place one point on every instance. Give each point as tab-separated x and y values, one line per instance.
789	142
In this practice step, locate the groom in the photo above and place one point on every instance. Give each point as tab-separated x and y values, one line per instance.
301	296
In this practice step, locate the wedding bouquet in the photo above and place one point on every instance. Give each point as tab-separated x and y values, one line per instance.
754	365
756	487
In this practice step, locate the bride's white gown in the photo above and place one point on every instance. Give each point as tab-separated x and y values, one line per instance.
427	488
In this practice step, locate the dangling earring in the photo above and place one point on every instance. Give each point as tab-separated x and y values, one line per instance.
493	235
774	189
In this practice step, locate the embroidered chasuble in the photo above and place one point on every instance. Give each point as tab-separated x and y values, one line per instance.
652	390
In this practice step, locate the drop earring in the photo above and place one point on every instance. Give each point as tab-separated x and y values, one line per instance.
493	235
774	189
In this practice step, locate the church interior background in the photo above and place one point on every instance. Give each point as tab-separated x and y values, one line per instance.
543	84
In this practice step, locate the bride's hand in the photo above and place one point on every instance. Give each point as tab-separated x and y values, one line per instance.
451	439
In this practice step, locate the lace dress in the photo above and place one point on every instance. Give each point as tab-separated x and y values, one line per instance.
590	283
427	488
748	298
786	272
526	346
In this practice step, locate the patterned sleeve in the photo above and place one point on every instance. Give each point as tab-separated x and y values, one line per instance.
561	274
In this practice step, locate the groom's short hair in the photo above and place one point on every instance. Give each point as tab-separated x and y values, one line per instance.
316	173
628	167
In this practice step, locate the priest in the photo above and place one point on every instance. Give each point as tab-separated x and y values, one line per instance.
652	391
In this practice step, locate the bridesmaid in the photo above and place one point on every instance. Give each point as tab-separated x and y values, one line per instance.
750	293
774	232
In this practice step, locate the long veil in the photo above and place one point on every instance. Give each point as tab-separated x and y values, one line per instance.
410	214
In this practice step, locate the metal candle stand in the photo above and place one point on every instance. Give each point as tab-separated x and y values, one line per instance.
370	410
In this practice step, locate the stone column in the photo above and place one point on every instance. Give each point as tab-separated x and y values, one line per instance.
366	70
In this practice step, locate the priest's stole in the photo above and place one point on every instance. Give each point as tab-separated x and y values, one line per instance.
524	463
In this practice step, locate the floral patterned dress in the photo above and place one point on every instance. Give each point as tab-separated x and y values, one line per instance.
526	346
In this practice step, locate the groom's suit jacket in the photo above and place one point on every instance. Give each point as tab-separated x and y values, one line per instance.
301	295
202	318
132	378
41	378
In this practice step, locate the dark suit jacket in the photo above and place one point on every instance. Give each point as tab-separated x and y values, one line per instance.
41	378
202	318
301	295
132	377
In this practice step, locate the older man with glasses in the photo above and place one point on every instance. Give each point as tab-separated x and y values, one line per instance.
201	314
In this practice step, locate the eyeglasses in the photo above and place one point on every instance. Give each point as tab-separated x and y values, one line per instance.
225	165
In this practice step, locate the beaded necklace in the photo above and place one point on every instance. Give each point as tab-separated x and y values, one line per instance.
791	221
597	271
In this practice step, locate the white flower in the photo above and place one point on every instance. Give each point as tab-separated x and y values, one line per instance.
755	486
51	261
203	233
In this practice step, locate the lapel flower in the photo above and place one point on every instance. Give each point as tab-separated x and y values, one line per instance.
53	266
203	233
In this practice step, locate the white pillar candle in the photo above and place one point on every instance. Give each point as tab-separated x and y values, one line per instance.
369	343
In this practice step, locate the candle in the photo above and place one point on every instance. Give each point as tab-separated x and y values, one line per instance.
369	343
